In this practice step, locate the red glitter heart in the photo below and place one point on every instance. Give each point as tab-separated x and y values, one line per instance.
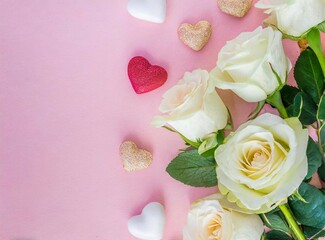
145	77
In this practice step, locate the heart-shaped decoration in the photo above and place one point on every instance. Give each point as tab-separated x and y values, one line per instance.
195	36
148	10
145	77
133	158
150	224
236	8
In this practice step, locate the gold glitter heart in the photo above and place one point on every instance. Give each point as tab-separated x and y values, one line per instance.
236	8
133	158
195	36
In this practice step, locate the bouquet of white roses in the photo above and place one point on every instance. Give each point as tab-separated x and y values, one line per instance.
263	168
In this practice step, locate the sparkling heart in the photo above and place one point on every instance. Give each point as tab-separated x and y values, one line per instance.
145	77
133	158
148	10
195	36
150	224
236	8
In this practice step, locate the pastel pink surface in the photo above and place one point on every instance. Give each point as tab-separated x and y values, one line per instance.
67	104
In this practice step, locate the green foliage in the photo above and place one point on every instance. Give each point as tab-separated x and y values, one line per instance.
193	169
313	233
309	76
288	94
277	235
315	158
322	136
276	221
321	109
312	212
321	27
304	108
321	172
210	144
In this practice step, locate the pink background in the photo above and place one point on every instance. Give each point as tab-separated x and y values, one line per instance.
67	104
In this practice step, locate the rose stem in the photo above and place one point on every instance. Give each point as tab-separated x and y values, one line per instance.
314	41
292	222
276	101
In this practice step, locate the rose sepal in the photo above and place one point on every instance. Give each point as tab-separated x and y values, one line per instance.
276	101
320	27
185	139
210	143
314	41
288	36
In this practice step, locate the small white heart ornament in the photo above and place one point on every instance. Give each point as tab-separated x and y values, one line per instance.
150	224
148	10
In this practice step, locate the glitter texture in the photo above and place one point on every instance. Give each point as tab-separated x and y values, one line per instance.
133	158
236	8
145	77
195	36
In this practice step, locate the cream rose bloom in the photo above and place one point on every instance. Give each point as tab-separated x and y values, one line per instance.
208	220
245	64
293	17
193	107
263	162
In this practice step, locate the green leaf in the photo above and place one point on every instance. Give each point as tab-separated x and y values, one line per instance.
314	157
321	27
288	94
290	110
313	233
309	76
321	108
276	221
209	153
321	234
277	235
312	213
192	169
304	108
321	141
321	172
322	136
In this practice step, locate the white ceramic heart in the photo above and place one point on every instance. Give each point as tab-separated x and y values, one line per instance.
148	10
150	224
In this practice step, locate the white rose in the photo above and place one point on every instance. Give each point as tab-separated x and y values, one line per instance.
193	107
208	220
245	64
263	162
294	17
